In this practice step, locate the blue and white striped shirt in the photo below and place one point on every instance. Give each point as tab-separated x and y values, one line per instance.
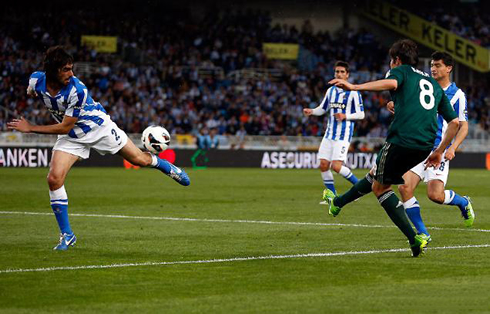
72	100
346	102
457	98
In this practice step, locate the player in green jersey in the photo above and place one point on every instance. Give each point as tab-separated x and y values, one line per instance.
418	99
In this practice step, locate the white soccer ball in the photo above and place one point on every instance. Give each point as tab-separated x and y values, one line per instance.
155	139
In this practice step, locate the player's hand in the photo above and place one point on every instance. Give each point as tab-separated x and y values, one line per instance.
31	92
391	107
450	153
434	160
307	111
339	116
21	125
342	84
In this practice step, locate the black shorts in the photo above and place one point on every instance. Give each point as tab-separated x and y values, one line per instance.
394	161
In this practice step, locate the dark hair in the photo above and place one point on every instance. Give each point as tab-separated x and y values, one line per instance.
406	50
55	58
342	64
446	58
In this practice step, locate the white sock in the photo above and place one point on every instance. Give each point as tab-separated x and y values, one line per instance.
410	202
448	196
327	177
59	194
154	161
345	172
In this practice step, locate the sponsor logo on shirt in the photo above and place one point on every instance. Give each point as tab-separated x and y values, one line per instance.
337	105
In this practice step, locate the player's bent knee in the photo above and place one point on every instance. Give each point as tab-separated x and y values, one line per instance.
55	181
336	167
405	190
323	169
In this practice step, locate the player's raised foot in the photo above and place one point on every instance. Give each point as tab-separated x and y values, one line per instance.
329	196
419	246
179	175
468	213
323	203
66	240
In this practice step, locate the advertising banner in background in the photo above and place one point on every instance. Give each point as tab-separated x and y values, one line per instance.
281	51
100	43
33	157
429	34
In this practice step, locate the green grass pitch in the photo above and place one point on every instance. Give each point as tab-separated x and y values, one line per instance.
227	214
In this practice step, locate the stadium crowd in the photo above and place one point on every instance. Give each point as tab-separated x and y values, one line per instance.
469	19
157	76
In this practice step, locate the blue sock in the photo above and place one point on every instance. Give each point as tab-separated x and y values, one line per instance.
330	186
161	164
451	198
59	204
327	177
347	174
412	209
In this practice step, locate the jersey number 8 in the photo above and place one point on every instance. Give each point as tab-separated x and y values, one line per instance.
426	92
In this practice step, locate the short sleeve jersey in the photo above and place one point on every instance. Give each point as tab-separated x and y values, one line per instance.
418	99
72	100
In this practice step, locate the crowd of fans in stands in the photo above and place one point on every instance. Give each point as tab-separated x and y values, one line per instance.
157	76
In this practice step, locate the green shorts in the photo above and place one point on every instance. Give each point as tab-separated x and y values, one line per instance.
394	161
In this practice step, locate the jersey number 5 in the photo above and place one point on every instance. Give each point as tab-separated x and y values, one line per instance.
426	93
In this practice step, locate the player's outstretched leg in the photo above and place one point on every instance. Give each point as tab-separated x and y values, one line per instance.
171	170
464	205
412	208
137	157
361	188
59	204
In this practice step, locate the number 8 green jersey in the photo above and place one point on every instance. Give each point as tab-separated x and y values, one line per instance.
418	98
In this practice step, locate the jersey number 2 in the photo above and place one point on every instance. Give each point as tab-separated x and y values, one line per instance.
426	93
115	134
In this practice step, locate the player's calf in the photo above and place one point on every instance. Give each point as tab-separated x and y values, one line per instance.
436	196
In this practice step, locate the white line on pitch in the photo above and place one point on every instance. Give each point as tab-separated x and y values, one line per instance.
236	221
233	259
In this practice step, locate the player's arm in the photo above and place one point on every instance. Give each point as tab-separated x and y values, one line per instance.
460	136
447	112
320	110
434	159
463	127
24	126
375	86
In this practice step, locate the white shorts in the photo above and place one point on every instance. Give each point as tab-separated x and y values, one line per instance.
441	173
333	150
106	139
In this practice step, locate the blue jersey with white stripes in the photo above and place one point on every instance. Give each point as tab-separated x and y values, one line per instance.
457	98
72	100
338	100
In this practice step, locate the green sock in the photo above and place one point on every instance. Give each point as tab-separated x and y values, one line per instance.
361	188
394	208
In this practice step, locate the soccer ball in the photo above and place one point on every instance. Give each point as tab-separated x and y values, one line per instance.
155	139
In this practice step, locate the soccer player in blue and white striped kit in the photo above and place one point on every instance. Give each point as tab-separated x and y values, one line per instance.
345	107
82	124
436	178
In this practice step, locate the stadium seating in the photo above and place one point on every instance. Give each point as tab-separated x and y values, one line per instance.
188	73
